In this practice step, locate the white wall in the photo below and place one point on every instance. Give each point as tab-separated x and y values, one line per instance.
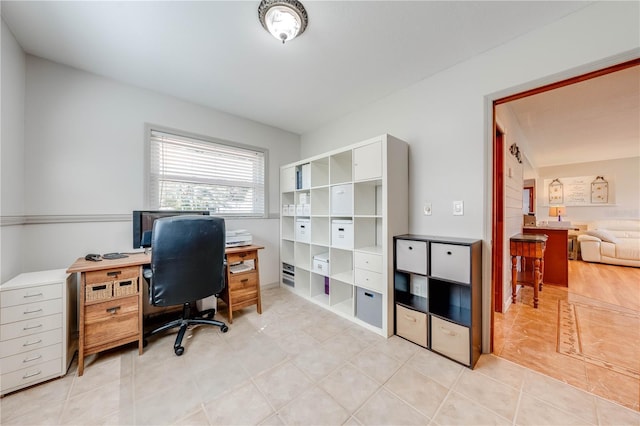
623	176
84	150
447	118
12	85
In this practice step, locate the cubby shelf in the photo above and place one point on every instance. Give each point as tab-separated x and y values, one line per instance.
439	281
351	200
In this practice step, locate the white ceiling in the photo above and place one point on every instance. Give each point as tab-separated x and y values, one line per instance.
216	54
596	119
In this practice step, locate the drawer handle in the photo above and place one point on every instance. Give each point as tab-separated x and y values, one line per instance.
113	310
32	343
99	287
32	295
125	283
408	318
32	327
244	280
114	273
245	254
33	358
368	294
410	248
448	332
26	376
449	253
33	312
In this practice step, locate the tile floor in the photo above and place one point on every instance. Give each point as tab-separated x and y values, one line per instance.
298	364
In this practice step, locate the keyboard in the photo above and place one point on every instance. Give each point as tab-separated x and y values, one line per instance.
240	267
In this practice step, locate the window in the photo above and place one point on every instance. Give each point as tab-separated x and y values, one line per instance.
199	173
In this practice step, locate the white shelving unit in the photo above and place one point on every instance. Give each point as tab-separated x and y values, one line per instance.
365	186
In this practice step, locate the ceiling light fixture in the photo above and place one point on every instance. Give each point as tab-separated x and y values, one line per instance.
284	19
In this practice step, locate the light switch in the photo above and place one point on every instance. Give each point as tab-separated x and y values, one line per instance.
458	208
427	209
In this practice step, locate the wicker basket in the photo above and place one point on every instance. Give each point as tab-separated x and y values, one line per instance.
100	291
125	287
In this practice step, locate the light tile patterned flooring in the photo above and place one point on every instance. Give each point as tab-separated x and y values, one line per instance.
298	364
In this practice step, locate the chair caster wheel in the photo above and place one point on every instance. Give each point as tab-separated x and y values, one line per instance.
179	350
224	328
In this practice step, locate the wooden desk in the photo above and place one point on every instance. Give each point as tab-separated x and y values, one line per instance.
556	257
110	312
527	246
111	303
243	288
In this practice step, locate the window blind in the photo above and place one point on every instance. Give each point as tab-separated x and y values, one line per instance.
187	173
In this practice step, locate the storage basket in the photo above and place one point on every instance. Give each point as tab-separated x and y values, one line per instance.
99	291
125	287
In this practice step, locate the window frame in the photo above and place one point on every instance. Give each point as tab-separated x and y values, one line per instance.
149	128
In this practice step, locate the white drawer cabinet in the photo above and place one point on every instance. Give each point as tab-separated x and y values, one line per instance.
38	322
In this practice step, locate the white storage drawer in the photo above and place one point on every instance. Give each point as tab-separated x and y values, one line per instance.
30	295
29	343
450	339
412	325
368	279
303	230
451	262
30	375
411	256
27	327
30	359
342	200
31	310
370	262
342	233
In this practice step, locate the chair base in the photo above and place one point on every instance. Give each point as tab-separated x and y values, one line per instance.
187	319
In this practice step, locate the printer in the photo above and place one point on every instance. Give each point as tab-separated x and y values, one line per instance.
237	238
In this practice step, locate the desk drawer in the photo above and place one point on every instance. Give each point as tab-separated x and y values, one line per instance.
28	327
30	359
109	275
30	295
30	311
29	375
29	343
412	325
243	281
110	321
241	257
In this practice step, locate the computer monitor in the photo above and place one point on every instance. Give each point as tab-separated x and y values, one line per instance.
143	223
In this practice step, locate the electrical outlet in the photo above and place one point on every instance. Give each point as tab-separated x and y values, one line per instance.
427	209
458	208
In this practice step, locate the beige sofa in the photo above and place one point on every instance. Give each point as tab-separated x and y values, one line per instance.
614	241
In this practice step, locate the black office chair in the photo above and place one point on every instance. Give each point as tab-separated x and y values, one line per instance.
187	264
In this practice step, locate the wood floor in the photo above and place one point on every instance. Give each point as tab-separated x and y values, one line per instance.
530	337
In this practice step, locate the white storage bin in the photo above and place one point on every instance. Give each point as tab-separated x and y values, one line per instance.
321	264
303	230
451	262
370	262
304	198
342	233
368	279
292	209
306	209
411	256
342	200
299	209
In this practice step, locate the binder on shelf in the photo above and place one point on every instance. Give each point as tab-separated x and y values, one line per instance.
306	176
